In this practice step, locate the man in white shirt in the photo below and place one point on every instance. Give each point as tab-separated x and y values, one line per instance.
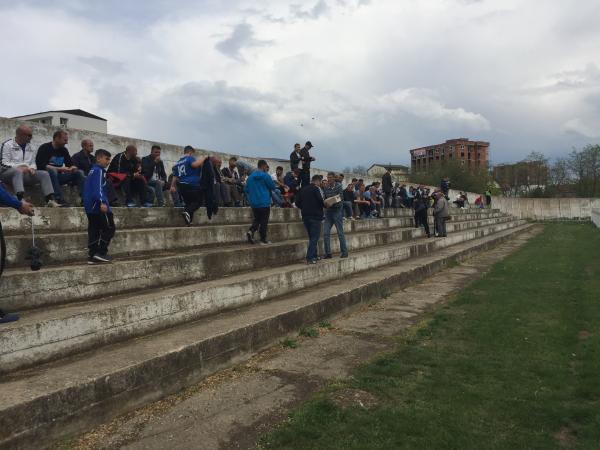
18	167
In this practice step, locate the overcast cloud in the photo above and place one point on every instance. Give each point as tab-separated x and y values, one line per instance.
363	80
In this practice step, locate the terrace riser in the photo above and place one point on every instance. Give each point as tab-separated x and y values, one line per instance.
27	289
67	248
39	421
66	220
43	341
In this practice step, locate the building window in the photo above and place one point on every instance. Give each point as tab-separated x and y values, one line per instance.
462	147
63	122
462	154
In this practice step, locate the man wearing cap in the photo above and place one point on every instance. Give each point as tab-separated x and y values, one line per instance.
306	160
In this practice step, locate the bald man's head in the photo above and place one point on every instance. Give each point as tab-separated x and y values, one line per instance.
23	134
87	146
131	151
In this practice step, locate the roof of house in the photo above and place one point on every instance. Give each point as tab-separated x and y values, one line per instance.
75	112
391	166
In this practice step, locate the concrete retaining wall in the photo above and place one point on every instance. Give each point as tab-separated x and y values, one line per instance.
547	208
596	213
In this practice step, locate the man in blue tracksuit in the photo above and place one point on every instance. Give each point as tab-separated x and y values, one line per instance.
25	208
101	225
259	186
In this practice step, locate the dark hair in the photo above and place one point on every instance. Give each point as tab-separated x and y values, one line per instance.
155	147
342	175
188	149
102	152
262	163
58	133
316	178
330	174
354	180
233	158
279	168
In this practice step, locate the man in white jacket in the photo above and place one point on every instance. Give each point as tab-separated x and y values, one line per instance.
17	166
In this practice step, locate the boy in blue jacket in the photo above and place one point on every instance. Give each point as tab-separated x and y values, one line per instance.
101	225
259	186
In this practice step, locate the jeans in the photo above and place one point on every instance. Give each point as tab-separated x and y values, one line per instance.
313	227
440	226
333	216
260	222
277	197
60	178
101	229
348	209
422	219
18	180
305	177
157	187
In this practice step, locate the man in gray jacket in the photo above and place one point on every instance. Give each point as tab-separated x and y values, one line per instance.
440	214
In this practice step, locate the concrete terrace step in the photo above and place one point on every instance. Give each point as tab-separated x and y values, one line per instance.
57	332
68	247
65	220
24	289
74	394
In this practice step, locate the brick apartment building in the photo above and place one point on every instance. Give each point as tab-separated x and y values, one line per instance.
472	154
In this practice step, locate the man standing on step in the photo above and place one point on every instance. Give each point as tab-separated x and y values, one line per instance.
333	215
306	160
440	214
311	204
186	180
26	209
258	189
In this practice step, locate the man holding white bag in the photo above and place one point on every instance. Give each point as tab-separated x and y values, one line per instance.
333	192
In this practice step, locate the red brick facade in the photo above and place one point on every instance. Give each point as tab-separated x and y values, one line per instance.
472	154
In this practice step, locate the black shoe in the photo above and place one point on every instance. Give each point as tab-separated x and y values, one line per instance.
311	261
63	204
265	242
187	218
102	258
250	236
344	255
327	257
92	261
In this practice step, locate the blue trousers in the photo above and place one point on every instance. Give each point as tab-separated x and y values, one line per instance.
313	227
333	216
61	178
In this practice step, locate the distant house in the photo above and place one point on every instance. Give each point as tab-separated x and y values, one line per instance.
69	118
399	172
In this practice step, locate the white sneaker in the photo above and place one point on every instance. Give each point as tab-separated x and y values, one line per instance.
52	204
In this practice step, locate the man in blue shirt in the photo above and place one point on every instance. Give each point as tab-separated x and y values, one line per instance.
186	180
24	208
258	190
101	224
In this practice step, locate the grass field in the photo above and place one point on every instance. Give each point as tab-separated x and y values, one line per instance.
513	362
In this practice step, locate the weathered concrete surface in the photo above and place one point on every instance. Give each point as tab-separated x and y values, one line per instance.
596	214
73	394
24	289
52	333
235	407
547	208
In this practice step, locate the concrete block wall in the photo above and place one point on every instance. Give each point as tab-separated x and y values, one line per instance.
596	213
547	208
116	144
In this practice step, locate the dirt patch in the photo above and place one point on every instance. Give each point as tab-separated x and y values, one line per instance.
565	437
347	398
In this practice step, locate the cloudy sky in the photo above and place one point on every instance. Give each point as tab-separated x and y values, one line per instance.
364	80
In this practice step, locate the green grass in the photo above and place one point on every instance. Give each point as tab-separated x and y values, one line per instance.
310	332
509	363
289	343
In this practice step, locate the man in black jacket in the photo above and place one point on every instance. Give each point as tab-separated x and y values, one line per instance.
387	186
306	160
310	202
85	159
125	171
54	157
295	158
153	171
